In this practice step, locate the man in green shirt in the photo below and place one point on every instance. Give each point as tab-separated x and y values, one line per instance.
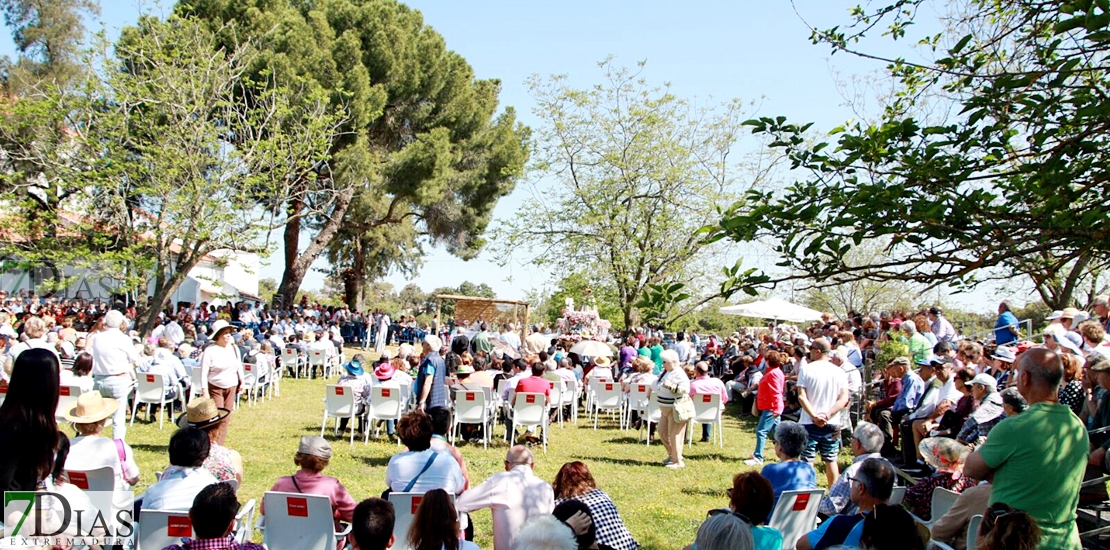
918	344
1038	457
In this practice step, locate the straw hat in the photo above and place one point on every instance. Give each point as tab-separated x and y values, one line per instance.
201	413
91	407
218	326
601	361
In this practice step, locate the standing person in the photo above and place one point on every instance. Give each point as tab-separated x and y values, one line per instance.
383	333
513	496
1006	329
673	384
221	373
655	353
114	360
431	381
769	402
822	392
28	430
940	326
435	525
1038	457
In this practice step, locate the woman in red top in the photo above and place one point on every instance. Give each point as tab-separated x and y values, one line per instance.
769	402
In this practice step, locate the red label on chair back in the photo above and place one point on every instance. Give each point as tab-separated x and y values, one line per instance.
339	390
79	479
297	506
385	392
416	503
150	378
247	368
3	388
641	388
179	526
469	396
552	384
608	387
800	502
529	399
706	398
63	391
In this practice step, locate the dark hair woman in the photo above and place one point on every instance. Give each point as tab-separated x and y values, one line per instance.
436	524
574	482
28	430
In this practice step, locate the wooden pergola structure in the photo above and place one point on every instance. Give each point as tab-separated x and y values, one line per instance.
473	308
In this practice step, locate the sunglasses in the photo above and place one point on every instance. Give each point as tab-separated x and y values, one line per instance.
720	511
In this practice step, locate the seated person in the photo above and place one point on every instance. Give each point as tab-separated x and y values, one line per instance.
752	498
372	525
790	473
185	477
545	532
441	424
947	457
421	469
313	455
435	524
1006	527
79	375
892	528
213	517
90	450
723	531
951	528
872	486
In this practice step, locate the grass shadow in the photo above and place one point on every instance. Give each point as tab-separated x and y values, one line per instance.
620	461
713	493
709	456
150	448
375	461
626	440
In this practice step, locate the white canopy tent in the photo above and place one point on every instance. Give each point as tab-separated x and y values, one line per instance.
774	308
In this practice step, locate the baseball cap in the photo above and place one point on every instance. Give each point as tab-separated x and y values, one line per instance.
985	380
1005	354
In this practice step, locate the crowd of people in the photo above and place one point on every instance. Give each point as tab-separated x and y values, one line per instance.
1003	424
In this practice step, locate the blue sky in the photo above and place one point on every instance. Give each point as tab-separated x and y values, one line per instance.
707	50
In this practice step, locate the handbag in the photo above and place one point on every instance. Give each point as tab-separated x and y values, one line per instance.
683	409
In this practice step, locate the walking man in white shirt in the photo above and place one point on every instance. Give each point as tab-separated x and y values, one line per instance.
822	392
114	360
513	496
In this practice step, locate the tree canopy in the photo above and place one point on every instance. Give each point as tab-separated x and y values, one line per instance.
626	173
1008	176
424	143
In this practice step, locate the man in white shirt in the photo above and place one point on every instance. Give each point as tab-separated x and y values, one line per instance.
513	496
174	332
510	337
823	393
114	358
683	348
934	403
186	476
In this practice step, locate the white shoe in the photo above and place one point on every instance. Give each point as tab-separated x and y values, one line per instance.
753	462
676	465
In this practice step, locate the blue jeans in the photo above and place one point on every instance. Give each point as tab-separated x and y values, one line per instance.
118	388
767	423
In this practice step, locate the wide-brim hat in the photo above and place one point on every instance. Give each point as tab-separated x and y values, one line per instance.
354	368
201	413
217	327
601	361
91	407
1005	354
384	371
466	369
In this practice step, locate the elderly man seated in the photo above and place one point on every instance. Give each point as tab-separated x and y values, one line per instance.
867	442
870	487
514	496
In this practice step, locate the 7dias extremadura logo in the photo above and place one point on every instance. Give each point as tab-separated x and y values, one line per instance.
38	518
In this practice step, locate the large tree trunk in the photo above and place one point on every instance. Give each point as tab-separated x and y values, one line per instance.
297	264
164	287
354	277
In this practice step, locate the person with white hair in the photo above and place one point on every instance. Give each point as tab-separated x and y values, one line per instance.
510	337
545	532
867	442
431	378
34	328
114	360
724	531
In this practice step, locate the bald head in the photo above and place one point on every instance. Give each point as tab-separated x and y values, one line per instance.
518	455
1042	369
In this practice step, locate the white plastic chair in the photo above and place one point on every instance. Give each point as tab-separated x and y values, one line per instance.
651	415
3	393
317	358
896	496
971	536
67	398
194	383
386	403
339	402
795	514
530	409
471	408
637	401
158	529
290	359
570	397
607	397
296	521
251	383
404	509
100	479
707	410
556	401
941	501
276	374
151	389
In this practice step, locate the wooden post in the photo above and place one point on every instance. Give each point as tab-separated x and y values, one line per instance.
525	324
439	322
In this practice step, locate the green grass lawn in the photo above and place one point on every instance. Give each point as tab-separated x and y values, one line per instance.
663	508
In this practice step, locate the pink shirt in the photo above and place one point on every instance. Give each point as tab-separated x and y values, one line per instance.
707	384
342	505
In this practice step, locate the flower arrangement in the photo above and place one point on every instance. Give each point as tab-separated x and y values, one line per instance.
582	324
